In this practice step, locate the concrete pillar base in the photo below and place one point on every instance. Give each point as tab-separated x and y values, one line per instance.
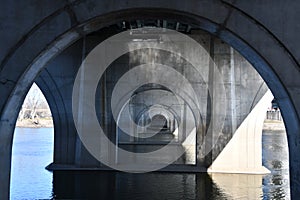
243	153
260	170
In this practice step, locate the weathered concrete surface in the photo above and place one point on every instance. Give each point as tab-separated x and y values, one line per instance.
243	153
266	33
242	85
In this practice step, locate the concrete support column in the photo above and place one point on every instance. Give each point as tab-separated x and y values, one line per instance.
6	136
243	153
8	118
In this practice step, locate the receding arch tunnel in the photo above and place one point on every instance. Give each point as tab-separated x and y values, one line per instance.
228	26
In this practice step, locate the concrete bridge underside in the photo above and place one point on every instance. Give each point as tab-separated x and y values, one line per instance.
37	38
242	89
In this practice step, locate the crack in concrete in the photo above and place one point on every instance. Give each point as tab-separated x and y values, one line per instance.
223	25
4	81
71	13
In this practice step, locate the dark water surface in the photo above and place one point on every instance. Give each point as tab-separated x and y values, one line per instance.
33	149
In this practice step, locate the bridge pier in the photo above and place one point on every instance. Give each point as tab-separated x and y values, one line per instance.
243	153
242	89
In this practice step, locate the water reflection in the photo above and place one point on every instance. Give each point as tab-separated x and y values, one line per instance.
118	185
33	151
275	158
239	186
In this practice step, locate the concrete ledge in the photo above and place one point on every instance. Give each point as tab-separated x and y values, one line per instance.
170	168
261	170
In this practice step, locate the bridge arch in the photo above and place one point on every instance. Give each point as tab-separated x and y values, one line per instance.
232	26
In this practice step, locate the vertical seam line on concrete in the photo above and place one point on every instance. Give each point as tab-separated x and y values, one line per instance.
275	38
259	89
258	53
71	13
223	25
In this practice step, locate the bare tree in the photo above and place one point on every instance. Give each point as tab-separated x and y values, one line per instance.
33	102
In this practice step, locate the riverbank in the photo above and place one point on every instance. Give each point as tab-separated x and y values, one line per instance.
36	123
272	125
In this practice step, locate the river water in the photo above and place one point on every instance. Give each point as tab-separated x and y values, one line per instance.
33	149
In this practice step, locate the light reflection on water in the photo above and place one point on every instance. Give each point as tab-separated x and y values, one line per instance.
275	158
33	149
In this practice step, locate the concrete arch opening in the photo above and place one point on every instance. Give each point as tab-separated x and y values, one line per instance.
35	110
32	148
265	65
